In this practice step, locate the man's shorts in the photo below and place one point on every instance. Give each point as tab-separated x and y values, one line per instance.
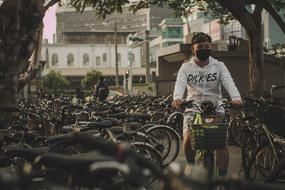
188	120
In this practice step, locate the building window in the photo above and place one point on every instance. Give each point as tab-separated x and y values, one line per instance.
70	59
85	59
174	32
54	59
104	57
119	59
154	29
132	57
98	60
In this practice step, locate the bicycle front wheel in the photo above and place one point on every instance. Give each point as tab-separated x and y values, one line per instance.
209	161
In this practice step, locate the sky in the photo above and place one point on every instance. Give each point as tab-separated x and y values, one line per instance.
50	23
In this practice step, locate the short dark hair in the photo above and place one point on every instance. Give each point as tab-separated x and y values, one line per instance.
201	37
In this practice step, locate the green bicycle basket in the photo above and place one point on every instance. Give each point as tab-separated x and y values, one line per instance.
209	137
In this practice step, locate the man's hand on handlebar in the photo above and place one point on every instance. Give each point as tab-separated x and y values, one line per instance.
237	102
177	104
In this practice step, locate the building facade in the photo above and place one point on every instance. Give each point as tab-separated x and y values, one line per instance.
85	42
272	32
199	22
172	31
75	60
86	27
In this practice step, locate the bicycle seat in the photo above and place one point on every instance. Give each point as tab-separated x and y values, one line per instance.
131	126
62	137
67	129
139	116
74	163
114	121
32	134
100	124
120	134
120	115
116	130
102	113
28	153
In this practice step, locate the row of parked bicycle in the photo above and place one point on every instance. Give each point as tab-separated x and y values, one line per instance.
127	143
259	130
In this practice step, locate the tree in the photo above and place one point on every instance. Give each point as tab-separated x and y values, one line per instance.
21	23
91	78
278	50
247	12
54	80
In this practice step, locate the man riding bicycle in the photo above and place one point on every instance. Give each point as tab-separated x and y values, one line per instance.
203	76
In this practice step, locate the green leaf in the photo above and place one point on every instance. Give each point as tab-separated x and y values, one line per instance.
91	78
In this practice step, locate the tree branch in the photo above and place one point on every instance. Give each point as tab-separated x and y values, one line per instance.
278	19
51	3
257	14
239	11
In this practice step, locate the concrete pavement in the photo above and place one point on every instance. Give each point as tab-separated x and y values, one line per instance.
234	165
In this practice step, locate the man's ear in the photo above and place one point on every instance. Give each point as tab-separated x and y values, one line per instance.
192	49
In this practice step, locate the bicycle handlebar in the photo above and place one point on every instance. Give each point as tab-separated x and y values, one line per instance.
110	165
191	104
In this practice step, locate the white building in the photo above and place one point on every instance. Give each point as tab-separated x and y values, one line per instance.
272	32
75	60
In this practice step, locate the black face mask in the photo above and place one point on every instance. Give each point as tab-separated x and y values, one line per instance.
203	54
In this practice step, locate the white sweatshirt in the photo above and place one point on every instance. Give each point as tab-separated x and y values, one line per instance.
204	83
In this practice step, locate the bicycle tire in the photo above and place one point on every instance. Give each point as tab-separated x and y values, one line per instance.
276	173
175	120
155	137
235	132
141	147
265	161
175	140
209	161
248	153
157	116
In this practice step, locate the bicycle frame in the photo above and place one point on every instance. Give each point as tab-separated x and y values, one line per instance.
207	156
272	139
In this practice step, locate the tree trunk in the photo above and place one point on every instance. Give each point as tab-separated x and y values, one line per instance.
8	86
256	55
20	21
256	59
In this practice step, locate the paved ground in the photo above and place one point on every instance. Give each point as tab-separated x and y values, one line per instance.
235	161
234	167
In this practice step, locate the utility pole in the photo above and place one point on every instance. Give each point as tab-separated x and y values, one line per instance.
116	54
147	69
130	65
